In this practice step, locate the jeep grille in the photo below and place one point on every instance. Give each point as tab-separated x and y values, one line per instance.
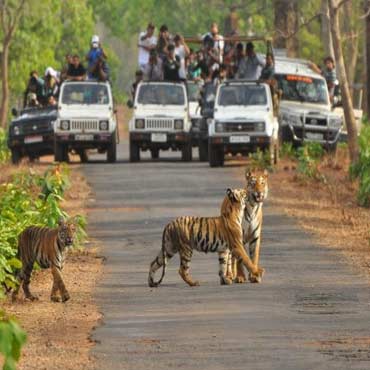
85	125
315	121
239	126
159	123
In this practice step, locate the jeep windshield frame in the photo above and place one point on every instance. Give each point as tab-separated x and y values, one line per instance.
303	89
85	93
242	95
161	94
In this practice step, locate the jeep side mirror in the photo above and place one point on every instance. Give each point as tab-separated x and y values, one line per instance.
14	112
130	103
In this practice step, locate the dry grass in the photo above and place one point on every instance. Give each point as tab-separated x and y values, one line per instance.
328	210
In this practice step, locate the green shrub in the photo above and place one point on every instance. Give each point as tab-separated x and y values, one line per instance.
12	338
361	169
309	156
260	160
4	151
30	199
287	150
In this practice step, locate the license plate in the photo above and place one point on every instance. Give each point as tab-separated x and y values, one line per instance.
159	138
84	137
240	139
32	139
314	136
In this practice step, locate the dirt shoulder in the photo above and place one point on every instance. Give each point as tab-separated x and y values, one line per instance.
58	334
327	209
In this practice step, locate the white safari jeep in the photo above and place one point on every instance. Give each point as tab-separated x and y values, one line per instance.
243	121
86	120
305	109
160	120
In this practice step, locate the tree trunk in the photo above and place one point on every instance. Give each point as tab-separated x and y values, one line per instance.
231	22
325	29
4	84
341	70
286	24
367	53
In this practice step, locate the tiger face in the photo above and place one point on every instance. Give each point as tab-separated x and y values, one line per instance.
238	196
66	232
257	186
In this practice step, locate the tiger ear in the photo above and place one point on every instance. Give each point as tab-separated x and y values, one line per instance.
248	174
231	194
265	174
61	221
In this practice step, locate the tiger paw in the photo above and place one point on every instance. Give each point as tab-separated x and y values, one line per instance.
240	279
256	277
65	297
225	281
55	298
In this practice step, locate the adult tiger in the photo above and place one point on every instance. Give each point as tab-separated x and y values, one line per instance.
47	247
206	234
257	188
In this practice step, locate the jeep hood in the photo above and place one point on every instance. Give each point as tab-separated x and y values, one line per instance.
156	110
298	108
84	111
238	113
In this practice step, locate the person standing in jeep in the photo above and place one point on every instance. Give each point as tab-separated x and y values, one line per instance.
147	42
76	71
171	65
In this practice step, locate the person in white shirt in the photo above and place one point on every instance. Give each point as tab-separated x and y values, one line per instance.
147	42
182	51
218	39
250	66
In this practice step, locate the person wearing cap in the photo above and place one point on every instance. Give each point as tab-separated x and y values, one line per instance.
95	53
153	70
51	82
182	51
76	71
147	42
171	65
250	66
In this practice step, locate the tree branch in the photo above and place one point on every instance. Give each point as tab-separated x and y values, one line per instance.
304	24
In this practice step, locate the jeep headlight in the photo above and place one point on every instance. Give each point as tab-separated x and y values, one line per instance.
179	124
103	125
139	123
64	125
16	130
259	126
335	122
219	127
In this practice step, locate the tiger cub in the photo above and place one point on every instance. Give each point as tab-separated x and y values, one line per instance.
47	247
257	188
206	234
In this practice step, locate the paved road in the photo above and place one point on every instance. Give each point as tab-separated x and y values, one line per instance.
310	312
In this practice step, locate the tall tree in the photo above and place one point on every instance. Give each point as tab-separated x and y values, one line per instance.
325	29
10	14
334	6
286	26
367	53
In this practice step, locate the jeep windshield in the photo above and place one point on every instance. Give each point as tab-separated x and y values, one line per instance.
242	95
161	94
84	93
303	89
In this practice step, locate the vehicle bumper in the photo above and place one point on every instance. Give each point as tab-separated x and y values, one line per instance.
84	140
244	146
173	140
322	136
44	146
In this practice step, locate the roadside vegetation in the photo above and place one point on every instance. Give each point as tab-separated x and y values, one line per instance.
26	198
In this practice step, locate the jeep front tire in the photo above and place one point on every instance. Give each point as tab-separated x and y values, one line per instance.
60	152
215	155
134	151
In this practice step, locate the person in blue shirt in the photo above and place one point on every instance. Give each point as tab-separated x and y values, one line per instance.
95	54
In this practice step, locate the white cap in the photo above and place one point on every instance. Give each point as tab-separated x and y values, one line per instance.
95	39
51	71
